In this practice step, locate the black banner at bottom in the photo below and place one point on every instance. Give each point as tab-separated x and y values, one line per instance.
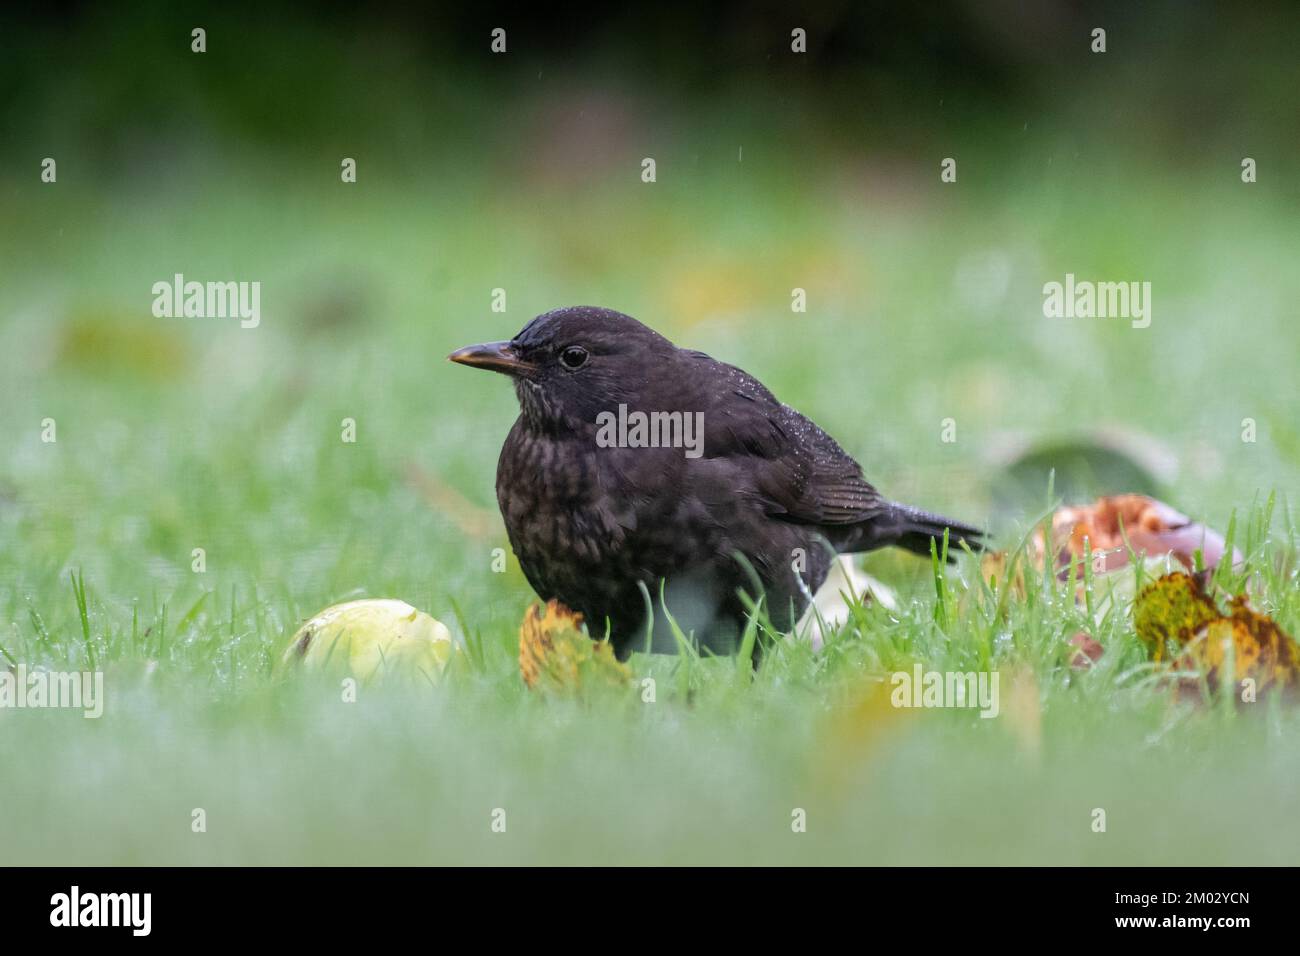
334	906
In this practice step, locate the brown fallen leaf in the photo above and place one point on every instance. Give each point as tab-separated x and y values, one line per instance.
1087	651
1244	645
472	520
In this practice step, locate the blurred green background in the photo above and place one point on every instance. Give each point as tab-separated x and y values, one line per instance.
522	172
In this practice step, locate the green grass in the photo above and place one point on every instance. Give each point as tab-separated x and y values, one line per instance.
924	304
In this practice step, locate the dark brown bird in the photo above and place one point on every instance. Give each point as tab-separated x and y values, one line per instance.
635	463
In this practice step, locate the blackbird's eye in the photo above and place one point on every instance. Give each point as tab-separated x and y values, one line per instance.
574	357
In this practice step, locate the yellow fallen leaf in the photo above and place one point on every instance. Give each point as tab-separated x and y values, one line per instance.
853	735
1023	709
554	653
1178	620
1169	611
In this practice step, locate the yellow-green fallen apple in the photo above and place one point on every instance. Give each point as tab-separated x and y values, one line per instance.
374	639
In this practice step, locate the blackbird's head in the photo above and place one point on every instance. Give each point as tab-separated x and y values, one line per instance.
572	364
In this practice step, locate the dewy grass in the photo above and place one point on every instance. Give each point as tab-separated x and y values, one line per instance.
235	447
1108	741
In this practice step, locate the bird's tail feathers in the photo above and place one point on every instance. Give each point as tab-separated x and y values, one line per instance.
913	529
910	528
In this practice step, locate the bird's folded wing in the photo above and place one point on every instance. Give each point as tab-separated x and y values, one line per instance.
798	472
